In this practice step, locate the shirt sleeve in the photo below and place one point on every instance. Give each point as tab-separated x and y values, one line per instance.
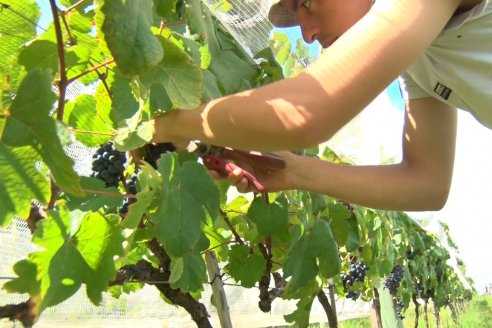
410	89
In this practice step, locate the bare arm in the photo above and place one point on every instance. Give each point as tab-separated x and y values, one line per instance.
420	182
308	109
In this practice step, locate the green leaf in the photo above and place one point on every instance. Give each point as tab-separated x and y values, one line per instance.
281	46
270	219
145	197
27	281
71	254
20	182
323	246
231	71
316	247
16	29
165	8
43	54
124	104
189	195
210	86
96	196
133	134
306	297
99	240
178	76
127	30
94	127
352	242
300	265
188	273
28	122
245	266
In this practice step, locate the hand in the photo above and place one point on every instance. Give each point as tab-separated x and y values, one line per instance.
273	179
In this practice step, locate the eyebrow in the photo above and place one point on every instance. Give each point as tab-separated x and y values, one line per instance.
292	5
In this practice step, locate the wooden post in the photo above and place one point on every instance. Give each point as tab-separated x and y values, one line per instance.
376	311
218	292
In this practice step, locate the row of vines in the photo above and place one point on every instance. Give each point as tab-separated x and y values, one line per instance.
156	220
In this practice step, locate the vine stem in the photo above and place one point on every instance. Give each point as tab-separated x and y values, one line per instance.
220	245
72	7
62	84
94	68
109	193
234	232
76	131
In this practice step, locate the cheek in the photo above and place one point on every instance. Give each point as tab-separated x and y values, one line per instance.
349	15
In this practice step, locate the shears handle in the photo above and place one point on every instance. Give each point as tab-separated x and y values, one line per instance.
224	167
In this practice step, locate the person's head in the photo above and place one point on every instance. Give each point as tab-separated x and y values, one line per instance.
321	20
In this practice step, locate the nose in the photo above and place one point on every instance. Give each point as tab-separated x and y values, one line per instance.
309	29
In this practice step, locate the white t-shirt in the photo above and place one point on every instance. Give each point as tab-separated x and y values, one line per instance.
457	67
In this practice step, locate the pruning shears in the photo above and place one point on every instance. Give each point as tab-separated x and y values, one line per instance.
216	158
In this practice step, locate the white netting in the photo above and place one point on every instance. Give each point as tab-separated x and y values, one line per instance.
247	21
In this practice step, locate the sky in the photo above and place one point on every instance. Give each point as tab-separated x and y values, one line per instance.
375	135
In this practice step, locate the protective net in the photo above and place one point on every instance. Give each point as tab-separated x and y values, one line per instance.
246	20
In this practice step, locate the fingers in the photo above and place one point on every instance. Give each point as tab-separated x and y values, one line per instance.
237	178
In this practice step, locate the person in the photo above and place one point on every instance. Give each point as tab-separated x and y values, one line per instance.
441	52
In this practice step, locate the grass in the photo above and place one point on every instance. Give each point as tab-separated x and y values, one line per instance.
478	314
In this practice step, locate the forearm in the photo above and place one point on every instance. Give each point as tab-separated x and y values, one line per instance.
278	116
392	187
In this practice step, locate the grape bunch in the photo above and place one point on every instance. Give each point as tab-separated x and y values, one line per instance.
352	295
108	164
152	152
131	188
392	282
356	273
399	309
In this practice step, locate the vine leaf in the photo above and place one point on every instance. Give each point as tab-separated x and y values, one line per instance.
244	266
20	182
77	249
95	201
43	54
306	297
324	247
271	219
226	62
300	265
124	105
314	252
189	196
176	79
165	8
28	122
145	197
83	115
16	30
189	272
127	29
133	134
